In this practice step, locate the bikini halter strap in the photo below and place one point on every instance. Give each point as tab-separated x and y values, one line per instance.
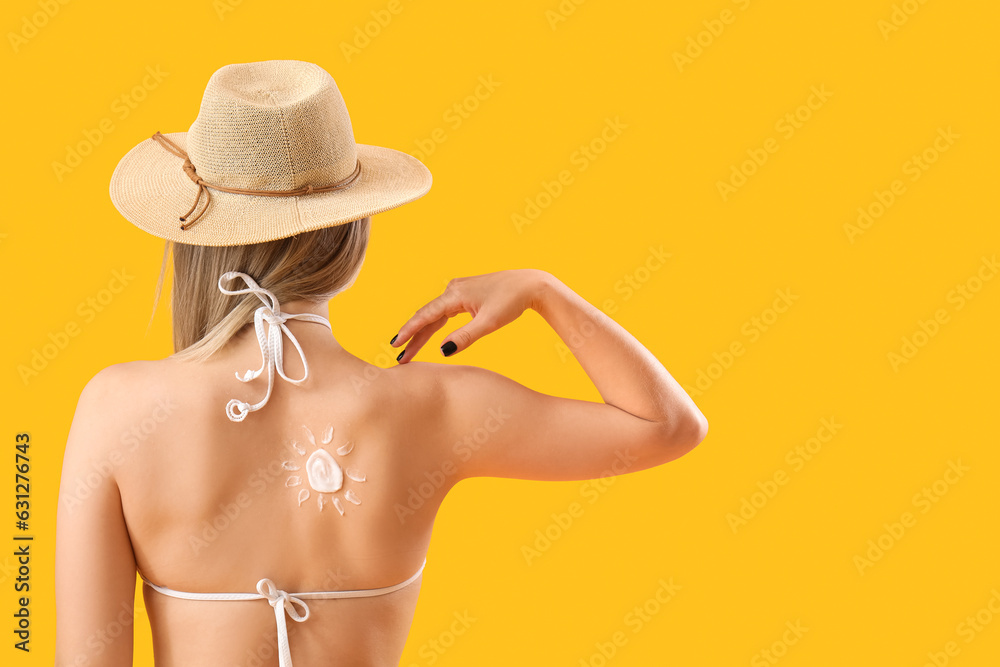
270	342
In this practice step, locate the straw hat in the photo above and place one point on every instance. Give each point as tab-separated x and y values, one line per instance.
271	154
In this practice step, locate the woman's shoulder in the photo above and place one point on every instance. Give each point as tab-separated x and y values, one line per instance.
429	380
128	380
118	397
117	406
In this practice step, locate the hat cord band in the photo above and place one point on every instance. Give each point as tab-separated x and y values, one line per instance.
204	186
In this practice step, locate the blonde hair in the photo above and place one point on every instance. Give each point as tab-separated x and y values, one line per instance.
314	266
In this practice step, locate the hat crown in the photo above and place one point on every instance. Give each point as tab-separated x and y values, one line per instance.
272	125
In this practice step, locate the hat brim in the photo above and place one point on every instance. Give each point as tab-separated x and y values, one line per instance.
151	190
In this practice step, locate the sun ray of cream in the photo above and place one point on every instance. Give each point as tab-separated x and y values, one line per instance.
320	497
354	474
299	449
352	497
328	435
345	449
289	465
309	434
338	505
293	480
303	496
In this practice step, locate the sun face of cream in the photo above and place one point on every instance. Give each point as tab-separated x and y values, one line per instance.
324	473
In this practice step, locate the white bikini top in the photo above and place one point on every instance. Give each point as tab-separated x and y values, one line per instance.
286	603
270	343
270	350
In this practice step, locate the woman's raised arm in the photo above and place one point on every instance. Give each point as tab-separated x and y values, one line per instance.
509	430
95	565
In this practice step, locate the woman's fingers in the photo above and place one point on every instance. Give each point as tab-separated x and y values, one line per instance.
464	336
446	305
493	300
420	338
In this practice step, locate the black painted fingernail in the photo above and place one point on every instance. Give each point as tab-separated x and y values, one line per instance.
401	354
393	339
448	348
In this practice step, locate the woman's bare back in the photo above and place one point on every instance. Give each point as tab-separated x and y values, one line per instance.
198	503
214	506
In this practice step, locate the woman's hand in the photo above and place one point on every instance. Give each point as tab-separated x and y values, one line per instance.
493	299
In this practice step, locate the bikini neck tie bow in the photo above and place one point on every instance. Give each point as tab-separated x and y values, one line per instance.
270	342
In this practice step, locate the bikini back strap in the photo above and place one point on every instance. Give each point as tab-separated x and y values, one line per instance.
285	603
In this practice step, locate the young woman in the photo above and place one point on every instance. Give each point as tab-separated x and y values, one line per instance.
274	519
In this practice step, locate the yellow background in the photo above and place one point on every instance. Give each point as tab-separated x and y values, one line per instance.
655	184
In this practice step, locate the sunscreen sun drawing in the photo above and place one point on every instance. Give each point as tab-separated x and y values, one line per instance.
323	473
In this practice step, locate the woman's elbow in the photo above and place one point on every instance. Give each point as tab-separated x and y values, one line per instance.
701	429
683	435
